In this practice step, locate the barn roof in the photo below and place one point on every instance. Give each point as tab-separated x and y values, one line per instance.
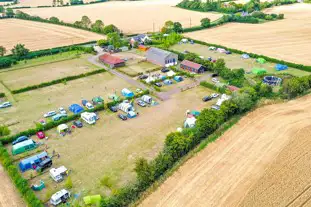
158	52
191	64
111	60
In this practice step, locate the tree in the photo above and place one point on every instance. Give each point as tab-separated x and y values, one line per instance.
98	26
144	172
54	19
114	39
19	50
85	21
54	3
208	122
61	2
168	27
102	42
110	29
177	27
9	12
4	130
205	22
2	51
243	101
1	9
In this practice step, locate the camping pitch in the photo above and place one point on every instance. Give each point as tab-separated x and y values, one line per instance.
259	71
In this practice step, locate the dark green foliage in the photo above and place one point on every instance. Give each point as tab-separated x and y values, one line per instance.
19	51
296	86
177	27
110	29
214	87
4	130
205	22
2	95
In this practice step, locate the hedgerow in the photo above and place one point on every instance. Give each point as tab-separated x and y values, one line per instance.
2	95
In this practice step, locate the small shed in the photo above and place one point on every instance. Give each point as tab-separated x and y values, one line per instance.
280	67
94	199
245	56
63	128
112	61
259	71
178	78
24	146
261	60
32	162
76	108
147	99
127	93
192	66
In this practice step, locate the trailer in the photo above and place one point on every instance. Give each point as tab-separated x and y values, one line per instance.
126	107
57	174
88	117
60	197
147	99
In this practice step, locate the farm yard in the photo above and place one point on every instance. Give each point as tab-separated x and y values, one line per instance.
15	31
134	24
138	68
271	134
234	61
275	39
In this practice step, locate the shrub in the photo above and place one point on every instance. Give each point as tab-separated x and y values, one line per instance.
2	95
268	17
4	131
280	16
68	183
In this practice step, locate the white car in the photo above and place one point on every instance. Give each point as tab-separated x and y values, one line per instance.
88	105
49	114
5	105
215	80
62	110
214	95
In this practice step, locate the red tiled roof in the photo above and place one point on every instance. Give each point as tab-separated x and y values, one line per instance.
109	59
233	88
191	64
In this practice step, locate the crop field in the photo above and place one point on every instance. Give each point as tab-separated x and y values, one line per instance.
235	61
39	71
110	148
37	35
29	107
141	16
35	3
224	172
275	39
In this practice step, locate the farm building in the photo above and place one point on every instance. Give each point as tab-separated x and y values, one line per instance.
140	39
112	61
76	108
127	93
24	146
161	57
192	66
32	161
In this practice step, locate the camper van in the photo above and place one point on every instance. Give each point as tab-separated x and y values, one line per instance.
24	146
60	197
89	118
57	174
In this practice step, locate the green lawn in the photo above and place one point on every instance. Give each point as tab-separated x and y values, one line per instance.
137	68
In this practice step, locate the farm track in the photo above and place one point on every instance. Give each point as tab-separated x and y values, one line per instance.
232	171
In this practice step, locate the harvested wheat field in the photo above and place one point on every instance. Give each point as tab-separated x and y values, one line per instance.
35	3
287	39
225	171
9	197
129	16
37	36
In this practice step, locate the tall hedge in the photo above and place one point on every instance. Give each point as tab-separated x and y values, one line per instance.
2	95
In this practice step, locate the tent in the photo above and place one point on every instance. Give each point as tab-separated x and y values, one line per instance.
170	73
167	82
178	78
97	100
261	60
32	161
147	99
38	187
259	71
195	113
126	107
190	122
94	199
127	93
221	50
76	108
150	79
280	67
211	48
62	128
245	56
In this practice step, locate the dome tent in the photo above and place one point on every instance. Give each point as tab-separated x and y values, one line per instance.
261	60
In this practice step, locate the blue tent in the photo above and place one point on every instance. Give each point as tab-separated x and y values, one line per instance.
76	108
167	82
280	67
178	78
127	93
245	56
27	163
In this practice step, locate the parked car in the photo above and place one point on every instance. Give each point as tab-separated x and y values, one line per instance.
84	102
5	105
214	75
214	95
138	90
215	80
40	135
165	70
62	110
228	52
206	98
123	117
158	84
58	117
141	103
20	139
216	107
78	124
46	163
142	77
88	105
49	114
113	108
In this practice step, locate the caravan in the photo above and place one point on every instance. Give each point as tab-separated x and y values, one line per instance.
89	118
57	174
60	197
126	107
147	99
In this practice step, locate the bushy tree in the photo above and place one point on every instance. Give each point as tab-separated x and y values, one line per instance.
19	50
177	27
168	27
114	39
243	101
54	20
205	22
1	9
85	21
208	121
110	29
98	26
2	51
102	42
144	172
10	12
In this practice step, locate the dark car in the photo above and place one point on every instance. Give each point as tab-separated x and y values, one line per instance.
20	139
123	117
214	75
165	70
44	164
113	108
158	84
78	124
207	98
228	52
142	77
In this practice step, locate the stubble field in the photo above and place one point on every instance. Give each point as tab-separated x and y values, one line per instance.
225	171
287	39
37	36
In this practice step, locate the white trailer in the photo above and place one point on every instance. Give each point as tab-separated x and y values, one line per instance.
57	174
60	197
147	99
88	117
126	107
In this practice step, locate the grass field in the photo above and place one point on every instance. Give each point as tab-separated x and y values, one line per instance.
39	71
37	35
275	39
234	61
110	148
137	16
136	69
240	162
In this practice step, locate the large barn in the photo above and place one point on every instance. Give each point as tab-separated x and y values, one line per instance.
192	66
112	61
161	57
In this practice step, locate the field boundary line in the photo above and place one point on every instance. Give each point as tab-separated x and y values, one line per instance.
290	203
8	92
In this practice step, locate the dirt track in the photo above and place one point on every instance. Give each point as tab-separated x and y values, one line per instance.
223	173
9	197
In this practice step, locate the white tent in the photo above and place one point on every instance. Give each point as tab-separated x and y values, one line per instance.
126	107
223	98
221	50
170	73
184	40
190	122
62	128
146	99
150	79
